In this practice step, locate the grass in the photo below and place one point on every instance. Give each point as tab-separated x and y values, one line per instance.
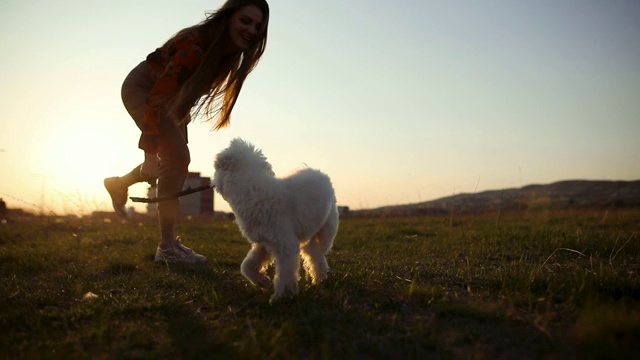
540	285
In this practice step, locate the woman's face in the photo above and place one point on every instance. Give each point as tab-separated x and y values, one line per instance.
245	26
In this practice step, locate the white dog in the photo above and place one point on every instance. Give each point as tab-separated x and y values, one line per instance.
283	218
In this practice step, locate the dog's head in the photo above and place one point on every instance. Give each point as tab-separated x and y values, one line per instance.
238	163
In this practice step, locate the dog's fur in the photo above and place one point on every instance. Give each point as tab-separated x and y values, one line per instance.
283	218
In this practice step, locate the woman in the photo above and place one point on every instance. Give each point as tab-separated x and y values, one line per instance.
201	69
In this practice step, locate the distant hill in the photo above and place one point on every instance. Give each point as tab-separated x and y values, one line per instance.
560	195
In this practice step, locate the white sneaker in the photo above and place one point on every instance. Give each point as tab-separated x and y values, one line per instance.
179	254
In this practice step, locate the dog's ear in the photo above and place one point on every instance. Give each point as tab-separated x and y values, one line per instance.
268	168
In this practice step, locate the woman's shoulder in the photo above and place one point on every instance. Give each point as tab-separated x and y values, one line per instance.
189	38
184	42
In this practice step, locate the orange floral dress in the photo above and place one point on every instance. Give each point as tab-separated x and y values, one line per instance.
171	65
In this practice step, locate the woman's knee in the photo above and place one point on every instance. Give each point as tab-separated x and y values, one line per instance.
175	162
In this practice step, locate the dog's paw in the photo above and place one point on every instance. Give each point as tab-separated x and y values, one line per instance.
286	293
264	282
279	299
321	277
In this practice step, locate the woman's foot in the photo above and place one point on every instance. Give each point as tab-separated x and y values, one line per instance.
179	254
118	193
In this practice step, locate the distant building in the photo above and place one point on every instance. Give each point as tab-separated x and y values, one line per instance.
198	203
343	210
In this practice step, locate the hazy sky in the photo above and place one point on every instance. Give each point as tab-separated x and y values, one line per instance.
398	101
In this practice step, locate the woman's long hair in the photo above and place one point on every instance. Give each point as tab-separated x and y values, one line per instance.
213	89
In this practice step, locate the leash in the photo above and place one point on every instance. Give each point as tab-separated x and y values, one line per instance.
184	192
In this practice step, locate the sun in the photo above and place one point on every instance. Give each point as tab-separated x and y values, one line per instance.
76	156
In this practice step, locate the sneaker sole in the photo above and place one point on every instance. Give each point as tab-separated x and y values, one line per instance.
179	261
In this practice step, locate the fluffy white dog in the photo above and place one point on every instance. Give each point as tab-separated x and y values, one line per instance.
283	218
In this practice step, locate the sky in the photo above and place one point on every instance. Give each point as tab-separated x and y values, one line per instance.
397	101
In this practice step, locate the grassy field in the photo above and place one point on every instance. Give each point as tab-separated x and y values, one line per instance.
544	285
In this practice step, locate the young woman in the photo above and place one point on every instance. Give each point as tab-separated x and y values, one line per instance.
200	70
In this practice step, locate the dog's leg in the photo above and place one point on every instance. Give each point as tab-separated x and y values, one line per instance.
287	264
314	252
252	265
314	262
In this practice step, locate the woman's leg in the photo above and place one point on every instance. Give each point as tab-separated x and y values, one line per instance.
174	158
134	92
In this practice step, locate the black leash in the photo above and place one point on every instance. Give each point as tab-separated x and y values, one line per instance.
184	192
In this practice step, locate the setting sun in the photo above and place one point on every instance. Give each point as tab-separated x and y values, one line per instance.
77	155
